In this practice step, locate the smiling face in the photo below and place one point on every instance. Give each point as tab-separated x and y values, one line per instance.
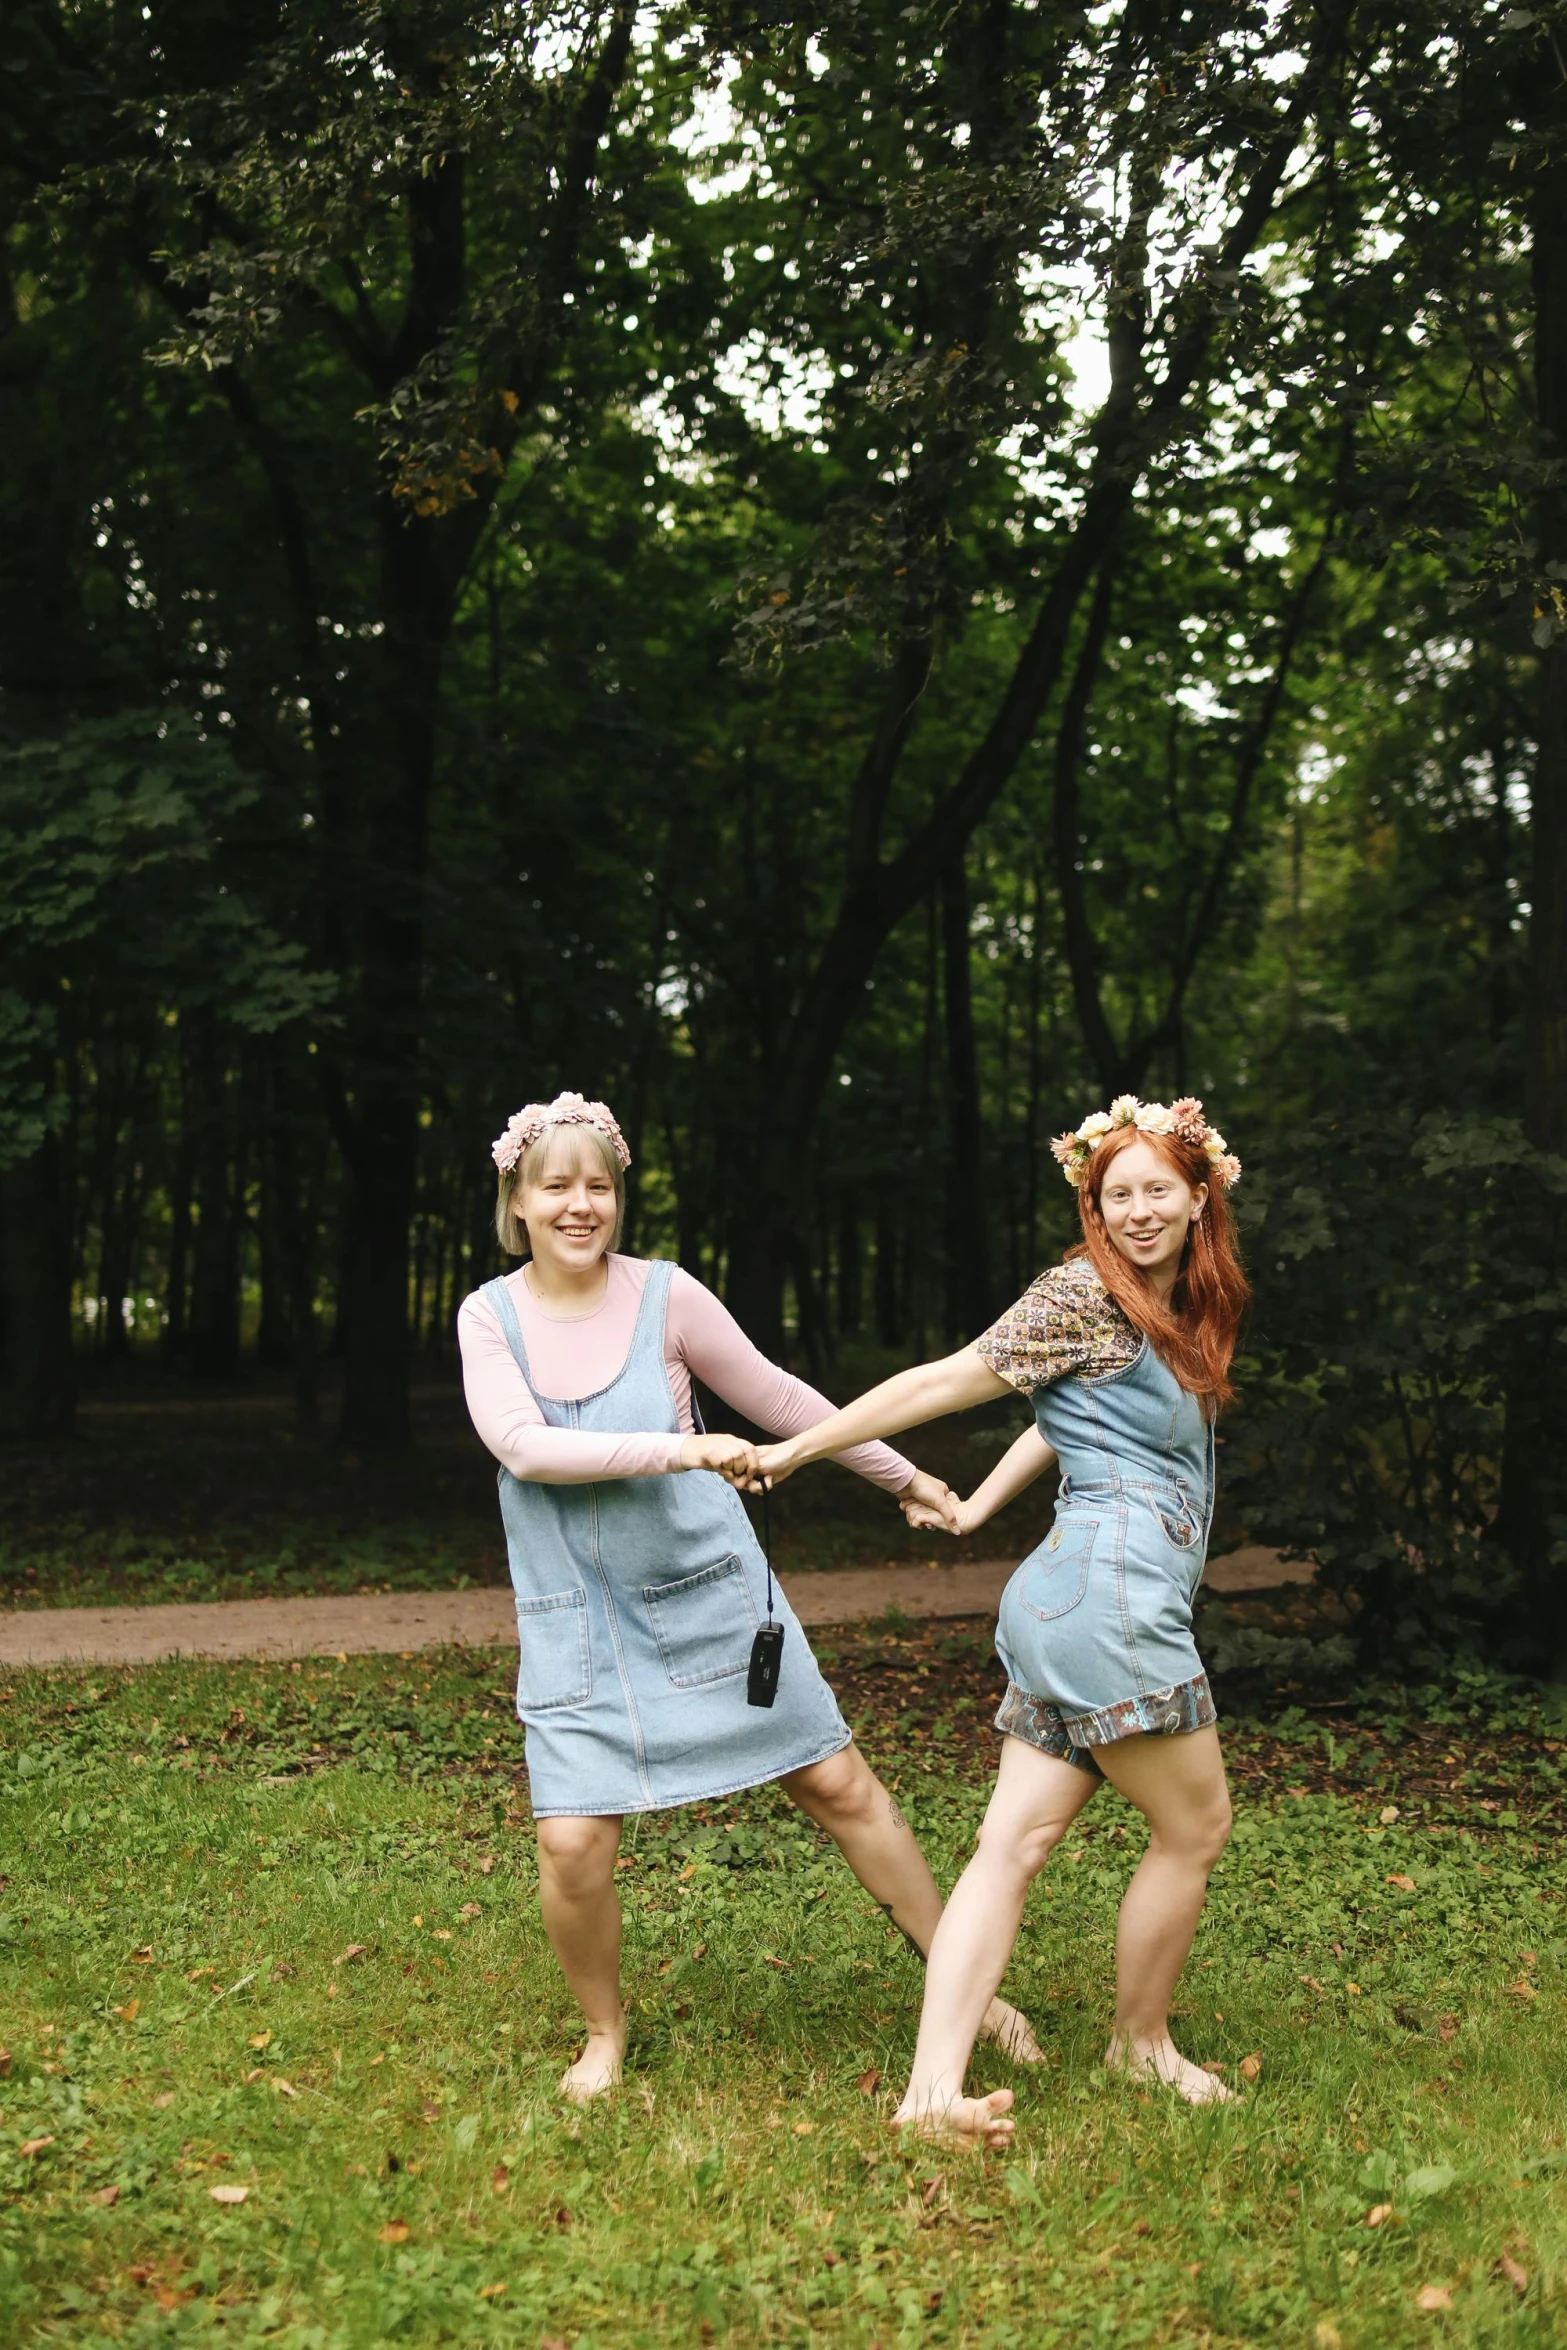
1148	1208
569	1201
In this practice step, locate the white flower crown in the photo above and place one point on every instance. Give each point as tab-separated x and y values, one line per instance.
1183	1118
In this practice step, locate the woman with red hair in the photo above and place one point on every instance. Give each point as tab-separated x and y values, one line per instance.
1125	1351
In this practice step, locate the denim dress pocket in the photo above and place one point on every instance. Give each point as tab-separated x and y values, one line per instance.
554	1668
1054	1580
1179	1519
704	1624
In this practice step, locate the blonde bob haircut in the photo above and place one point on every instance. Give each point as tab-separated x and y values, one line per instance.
510	1230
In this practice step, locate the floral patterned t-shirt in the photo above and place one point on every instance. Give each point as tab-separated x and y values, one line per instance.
1066	1325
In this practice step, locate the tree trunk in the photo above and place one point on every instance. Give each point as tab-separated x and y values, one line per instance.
1534	1487
214	1289
969	1192
888	1287
851	1270
37	1373
376	1099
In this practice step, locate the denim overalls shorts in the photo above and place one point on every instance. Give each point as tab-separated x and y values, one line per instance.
637	1602
1095	1628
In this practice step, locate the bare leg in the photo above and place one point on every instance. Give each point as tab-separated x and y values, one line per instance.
844	1796
1179	1787
1036	1799
582	1919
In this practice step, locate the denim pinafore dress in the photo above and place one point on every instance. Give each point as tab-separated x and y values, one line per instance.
1095	1627
637	1602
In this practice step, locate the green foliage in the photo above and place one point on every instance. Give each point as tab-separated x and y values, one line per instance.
110	840
1377	1385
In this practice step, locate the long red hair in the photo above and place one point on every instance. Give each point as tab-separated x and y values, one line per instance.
1195	1333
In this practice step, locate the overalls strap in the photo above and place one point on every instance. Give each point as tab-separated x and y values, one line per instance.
498	1297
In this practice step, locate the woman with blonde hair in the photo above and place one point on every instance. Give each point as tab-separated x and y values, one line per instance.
640	1587
1125	1350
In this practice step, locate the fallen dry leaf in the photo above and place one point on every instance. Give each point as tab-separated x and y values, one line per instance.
284	2088
1447	2030
107	2196
253	2076
934	2187
803	2129
1388	1814
1505	2267
869	2082
163	2100
229	2194
395	2232
1213	2066
1326	2336
352	1954
1311	1982
375	2060
700	1951
1434	2297
1378	2213
562	2216
130	2011
142	1957
1404	1884
1250	2067
1523	1988
490	2292
34	2145
470	1909
500	2179
553	2342
261	2039
487	1864
782	1964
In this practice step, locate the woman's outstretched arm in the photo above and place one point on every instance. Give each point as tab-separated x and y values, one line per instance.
907	1400
1017	1469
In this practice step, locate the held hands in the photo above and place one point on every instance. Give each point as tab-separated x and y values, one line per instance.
734	1457
929	1503
749	1468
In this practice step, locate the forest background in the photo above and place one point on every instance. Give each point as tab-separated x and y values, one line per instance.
856	583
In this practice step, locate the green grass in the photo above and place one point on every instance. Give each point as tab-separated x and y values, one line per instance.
189	1854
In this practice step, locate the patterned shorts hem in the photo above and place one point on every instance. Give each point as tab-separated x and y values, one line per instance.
1169	1713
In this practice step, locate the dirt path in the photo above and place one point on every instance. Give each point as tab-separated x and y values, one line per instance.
395	1623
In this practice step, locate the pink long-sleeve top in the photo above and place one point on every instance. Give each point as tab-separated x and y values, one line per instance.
576	1355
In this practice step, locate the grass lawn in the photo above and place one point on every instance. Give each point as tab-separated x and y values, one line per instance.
283	2033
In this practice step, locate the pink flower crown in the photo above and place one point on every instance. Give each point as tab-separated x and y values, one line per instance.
1184	1118
567	1109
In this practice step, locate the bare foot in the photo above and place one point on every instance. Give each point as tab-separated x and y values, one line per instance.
597	2069
1161	2060
959	2121
1012	2033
